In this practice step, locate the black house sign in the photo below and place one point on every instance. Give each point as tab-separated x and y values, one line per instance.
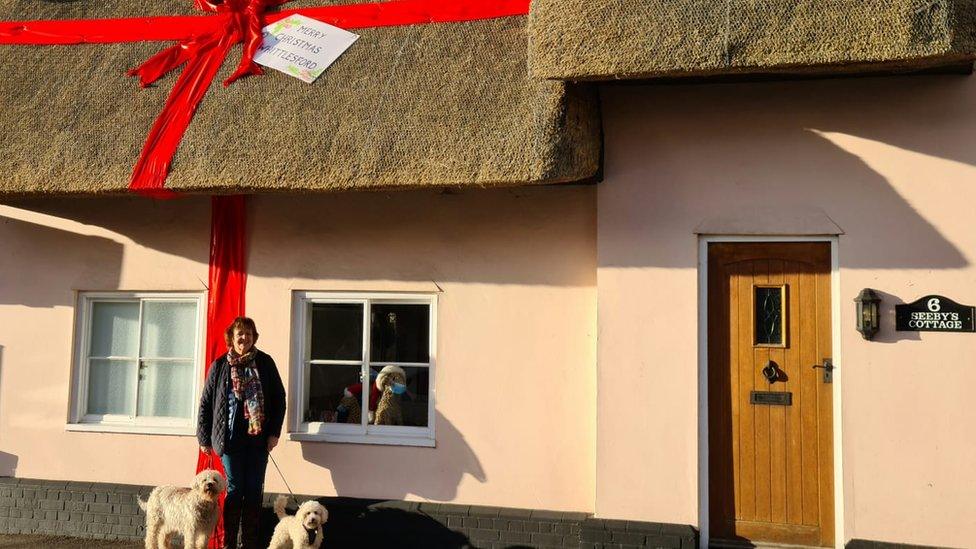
934	313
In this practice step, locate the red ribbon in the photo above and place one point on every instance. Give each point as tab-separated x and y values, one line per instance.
228	281
203	43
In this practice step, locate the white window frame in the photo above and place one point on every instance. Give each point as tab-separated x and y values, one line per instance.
302	430
79	419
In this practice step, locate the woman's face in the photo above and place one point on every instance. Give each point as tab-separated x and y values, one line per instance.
243	340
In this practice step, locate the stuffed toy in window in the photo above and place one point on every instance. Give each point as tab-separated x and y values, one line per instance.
392	381
384	399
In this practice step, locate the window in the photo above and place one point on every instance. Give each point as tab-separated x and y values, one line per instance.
769	317
138	362
364	367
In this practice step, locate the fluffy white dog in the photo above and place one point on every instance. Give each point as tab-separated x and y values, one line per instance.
191	512
301	531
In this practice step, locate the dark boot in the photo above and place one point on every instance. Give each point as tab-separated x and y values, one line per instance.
232	521
251	525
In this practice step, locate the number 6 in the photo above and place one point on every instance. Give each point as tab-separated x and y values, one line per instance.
934	305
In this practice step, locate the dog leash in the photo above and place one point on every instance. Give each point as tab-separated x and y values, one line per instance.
210	465
283	478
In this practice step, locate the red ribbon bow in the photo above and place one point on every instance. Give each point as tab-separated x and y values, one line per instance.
240	20
203	43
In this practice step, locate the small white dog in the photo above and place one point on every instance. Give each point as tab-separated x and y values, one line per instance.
301	531
191	512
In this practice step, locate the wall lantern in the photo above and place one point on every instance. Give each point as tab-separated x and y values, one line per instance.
867	312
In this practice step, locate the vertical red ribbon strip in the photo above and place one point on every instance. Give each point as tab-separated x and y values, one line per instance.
225	302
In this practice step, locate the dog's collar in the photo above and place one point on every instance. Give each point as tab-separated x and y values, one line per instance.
311	536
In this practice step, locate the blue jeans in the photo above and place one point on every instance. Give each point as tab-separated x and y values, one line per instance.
245	466
245	469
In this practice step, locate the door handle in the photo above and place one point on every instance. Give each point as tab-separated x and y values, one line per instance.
828	368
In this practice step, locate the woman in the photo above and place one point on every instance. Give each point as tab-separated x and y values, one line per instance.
241	412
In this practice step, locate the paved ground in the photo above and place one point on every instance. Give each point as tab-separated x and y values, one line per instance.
16	541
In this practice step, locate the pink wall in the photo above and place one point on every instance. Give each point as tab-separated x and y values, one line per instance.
516	337
524	417
891	162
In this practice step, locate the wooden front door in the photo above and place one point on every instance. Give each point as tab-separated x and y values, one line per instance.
770	426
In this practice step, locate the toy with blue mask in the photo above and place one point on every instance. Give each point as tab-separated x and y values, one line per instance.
386	388
392	382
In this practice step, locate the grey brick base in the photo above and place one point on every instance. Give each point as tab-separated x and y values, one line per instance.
82	509
109	511
627	534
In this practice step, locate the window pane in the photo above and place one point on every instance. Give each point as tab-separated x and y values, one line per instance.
169	329
337	331
165	388
409	408
326	393
115	329
400	333
109	387
769	316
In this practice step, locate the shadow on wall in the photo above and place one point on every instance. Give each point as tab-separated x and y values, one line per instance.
358	519
368	524
8	465
886	314
60	260
470	235
8	462
753	148
432	474
43	265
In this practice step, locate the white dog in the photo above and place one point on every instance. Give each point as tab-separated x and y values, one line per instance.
301	531
191	512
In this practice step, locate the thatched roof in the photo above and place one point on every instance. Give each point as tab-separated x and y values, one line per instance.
611	39
427	105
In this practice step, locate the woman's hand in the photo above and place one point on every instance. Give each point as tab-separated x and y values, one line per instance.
272	442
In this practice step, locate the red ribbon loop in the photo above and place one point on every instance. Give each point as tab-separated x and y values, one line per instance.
240	20
249	25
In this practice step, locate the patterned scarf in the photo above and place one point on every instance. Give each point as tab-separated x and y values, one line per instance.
247	388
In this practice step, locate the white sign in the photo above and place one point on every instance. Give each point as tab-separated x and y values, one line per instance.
302	47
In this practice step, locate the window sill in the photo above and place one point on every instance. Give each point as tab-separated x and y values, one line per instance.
386	440
130	429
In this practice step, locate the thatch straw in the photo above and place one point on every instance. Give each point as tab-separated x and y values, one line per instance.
610	39
427	105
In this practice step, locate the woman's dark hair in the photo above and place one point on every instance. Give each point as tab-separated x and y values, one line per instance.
240	323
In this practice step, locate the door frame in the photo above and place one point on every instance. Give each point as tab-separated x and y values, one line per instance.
703	487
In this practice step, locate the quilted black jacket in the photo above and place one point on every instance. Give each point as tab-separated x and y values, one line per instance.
212	421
